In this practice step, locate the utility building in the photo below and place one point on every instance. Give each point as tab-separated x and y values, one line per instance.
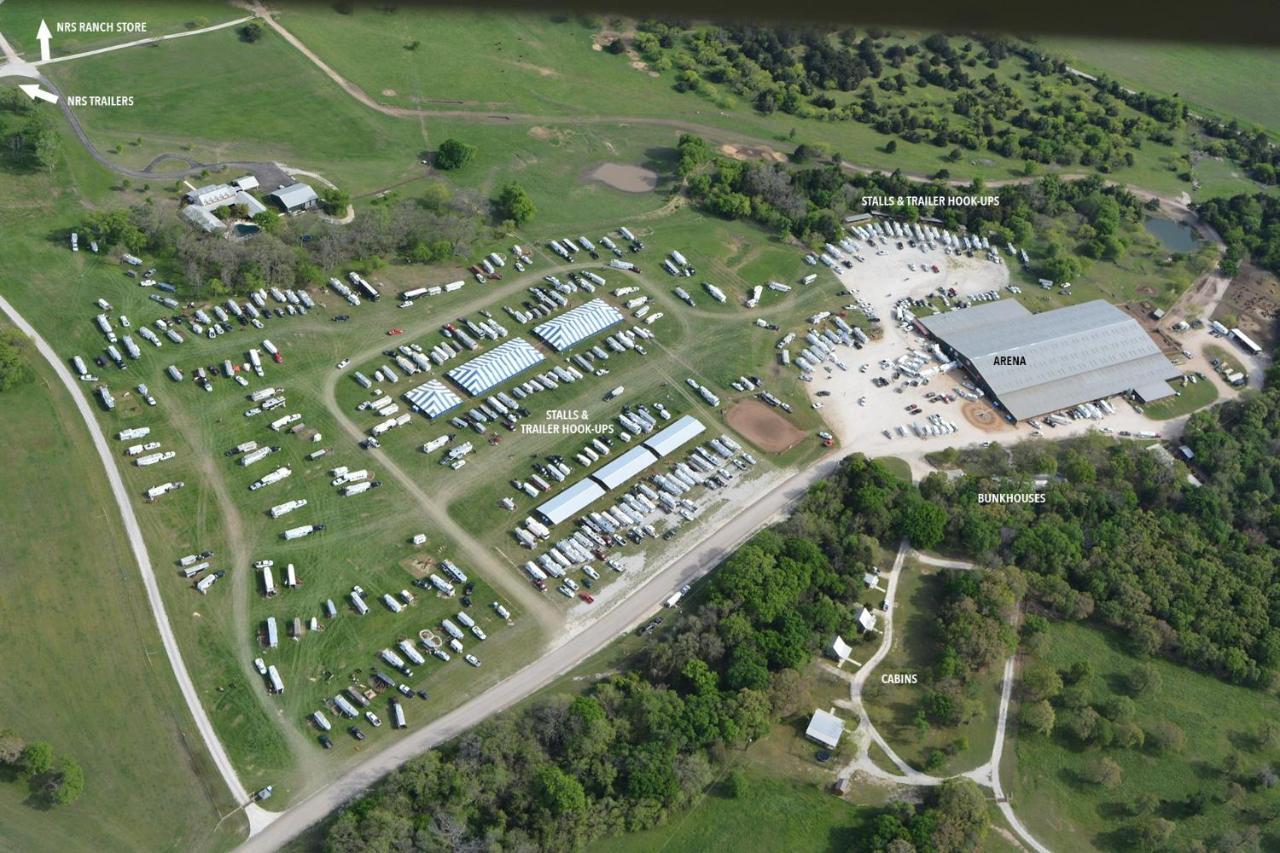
1033	364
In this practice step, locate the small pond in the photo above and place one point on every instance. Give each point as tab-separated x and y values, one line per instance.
1174	236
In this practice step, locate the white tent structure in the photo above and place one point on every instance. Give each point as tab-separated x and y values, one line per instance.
499	364
432	398
578	324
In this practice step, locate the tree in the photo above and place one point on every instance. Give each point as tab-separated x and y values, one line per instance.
1142	680
1039	717
1153	833
557	791
963	818
15	369
64	783
334	201
11	746
923	523
250	32
1166	737
1104	772
513	204
616	46
891	146
736	784
37	758
453	154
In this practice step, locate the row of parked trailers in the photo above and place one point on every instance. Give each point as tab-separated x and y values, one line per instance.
704	465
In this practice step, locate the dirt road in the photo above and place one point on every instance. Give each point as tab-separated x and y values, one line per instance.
257	817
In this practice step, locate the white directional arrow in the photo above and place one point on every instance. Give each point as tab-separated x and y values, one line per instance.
43	35
34	91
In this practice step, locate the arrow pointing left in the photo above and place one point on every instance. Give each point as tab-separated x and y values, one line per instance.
34	91
43	35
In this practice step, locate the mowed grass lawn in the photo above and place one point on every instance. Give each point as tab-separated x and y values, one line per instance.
1218	719
1190	398
83	666
892	707
1220	80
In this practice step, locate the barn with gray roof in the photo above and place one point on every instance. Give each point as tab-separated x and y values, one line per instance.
1033	364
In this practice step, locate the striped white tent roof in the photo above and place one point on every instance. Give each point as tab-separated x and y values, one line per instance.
578	324
499	364
432	398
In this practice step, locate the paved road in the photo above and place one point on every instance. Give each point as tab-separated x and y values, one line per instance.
626	614
257	818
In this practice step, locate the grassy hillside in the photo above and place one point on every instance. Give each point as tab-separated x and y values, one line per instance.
83	666
1214	79
1220	761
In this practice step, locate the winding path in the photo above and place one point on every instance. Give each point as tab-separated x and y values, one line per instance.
987	775
258	818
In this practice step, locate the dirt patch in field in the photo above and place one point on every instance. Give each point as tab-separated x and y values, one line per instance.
752	152
763	427
546	134
542	70
388	93
419	567
982	416
629	179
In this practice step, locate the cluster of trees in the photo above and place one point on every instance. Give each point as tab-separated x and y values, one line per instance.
810	200
803	71
1249	225
54	780
639	746
434	227
1192	572
954	817
15	369
28	136
1251	148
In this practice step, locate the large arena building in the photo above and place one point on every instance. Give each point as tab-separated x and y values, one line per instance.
1034	364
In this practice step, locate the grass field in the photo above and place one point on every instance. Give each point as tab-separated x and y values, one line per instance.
1190	398
19	20
1219	720
892	707
73	615
1218	80
787	805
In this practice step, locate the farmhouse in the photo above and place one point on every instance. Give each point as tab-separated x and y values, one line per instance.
203	201
295	198
1033	364
825	728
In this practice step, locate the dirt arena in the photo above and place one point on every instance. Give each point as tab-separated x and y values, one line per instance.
764	427
982	416
629	179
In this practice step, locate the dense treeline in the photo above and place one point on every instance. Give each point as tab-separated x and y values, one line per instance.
637	747
1249	225
28	136
810	201
941	90
1188	571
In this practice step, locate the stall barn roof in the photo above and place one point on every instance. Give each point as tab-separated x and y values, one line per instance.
625	467
507	359
674	436
578	324
432	398
571	501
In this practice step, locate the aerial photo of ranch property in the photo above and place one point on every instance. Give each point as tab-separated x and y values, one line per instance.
461	429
